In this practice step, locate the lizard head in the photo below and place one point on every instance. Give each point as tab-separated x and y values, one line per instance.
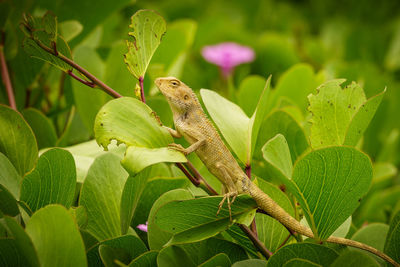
180	97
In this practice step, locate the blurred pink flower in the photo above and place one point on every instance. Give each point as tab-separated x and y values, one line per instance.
142	227
227	55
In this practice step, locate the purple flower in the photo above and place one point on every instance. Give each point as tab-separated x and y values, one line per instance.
227	56
142	227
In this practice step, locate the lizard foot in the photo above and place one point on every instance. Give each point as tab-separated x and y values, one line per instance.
227	197
178	147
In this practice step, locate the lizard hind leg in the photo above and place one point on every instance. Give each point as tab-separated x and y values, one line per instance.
227	197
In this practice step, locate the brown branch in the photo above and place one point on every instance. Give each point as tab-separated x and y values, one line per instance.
142	89
5	76
90	84
256	242
200	178
73	64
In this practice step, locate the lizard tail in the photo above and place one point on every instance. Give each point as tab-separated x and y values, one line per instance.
274	210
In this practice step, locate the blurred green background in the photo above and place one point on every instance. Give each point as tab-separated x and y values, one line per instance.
356	40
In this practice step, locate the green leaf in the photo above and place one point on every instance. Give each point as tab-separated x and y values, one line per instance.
276	153
8	204
281	122
51	182
173	256
56	237
147	30
218	260
9	178
195	220
85	153
156	236
101	196
149	156
350	258
156	186
124	248
18	143
251	262
271	232
9	254
328	183
241	238
373	235
43	128
340	115
23	243
361	119
303	254
133	189
392	244
239	131
250	90
231	121
147	259
129	121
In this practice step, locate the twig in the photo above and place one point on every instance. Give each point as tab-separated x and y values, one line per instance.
284	241
90	84
188	175
5	76
200	178
257	243
73	64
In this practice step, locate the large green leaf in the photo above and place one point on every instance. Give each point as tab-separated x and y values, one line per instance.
23	244
173	256
156	236
123	248
9	178
251	262
132	122
148	28
43	128
352	258
392	244
218	260
195	220
101	196
9	254
373	235
56	237
270	231
328	183
239	131
340	115
51	182
17	143
303	254
147	259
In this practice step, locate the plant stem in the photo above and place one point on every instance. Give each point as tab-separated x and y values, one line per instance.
141	89
257	243
90	84
253	223
200	178
5	76
73	64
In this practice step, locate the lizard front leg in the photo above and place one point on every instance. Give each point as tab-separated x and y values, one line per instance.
229	188
173	132
193	147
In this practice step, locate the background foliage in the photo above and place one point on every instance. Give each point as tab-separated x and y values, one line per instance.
64	199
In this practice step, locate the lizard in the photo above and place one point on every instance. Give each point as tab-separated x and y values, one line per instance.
192	123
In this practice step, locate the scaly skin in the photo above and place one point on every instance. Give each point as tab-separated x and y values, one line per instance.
191	123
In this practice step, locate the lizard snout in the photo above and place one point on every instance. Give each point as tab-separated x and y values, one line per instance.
158	82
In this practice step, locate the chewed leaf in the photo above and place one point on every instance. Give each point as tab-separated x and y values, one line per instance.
340	115
129	121
148	28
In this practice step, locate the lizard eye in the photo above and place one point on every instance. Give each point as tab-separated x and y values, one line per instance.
186	97
174	83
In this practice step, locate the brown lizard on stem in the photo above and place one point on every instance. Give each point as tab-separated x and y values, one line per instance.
191	123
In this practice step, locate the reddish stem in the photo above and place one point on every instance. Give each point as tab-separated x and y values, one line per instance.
90	84
141	89
5	76
248	170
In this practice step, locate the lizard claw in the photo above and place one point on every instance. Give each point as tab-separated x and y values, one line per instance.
178	147
227	197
